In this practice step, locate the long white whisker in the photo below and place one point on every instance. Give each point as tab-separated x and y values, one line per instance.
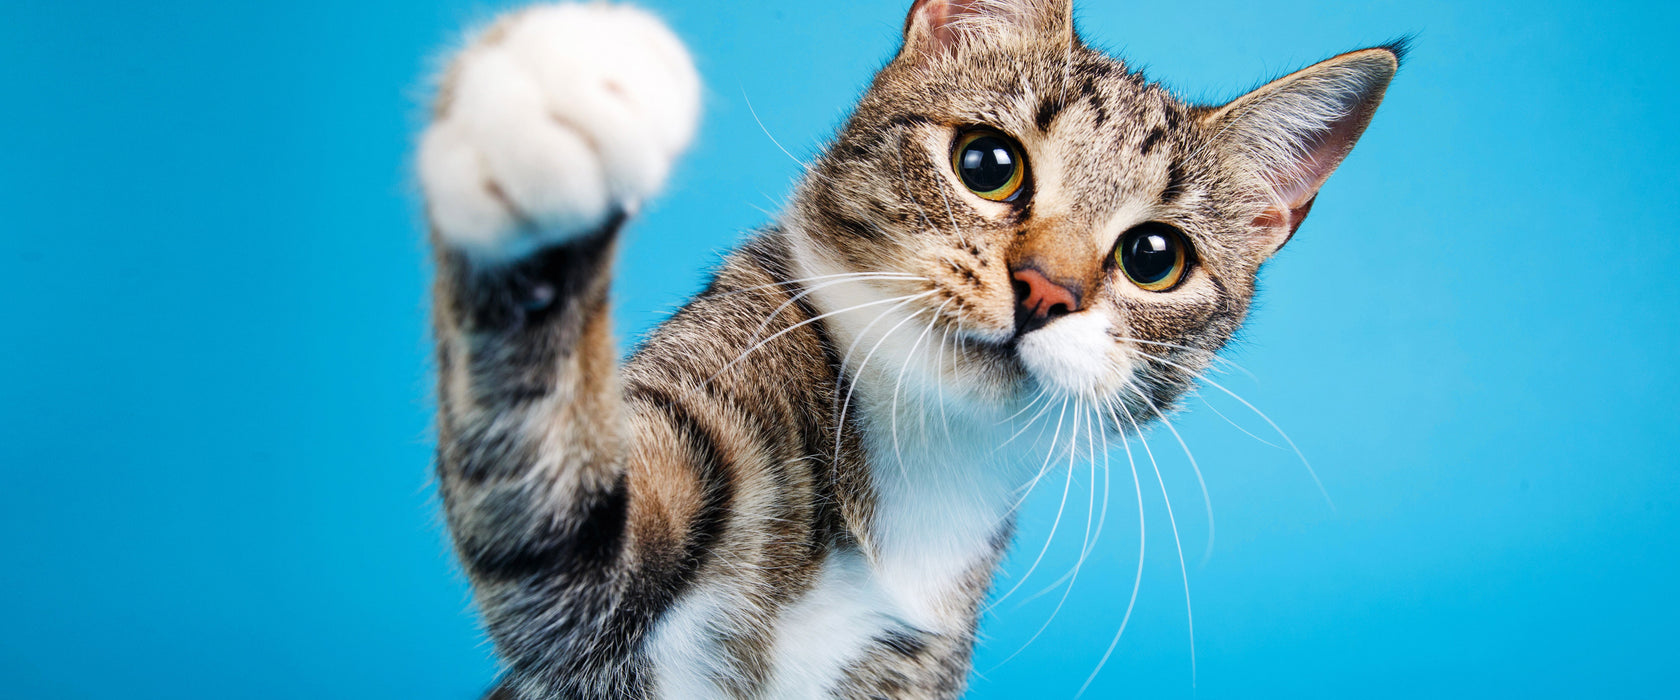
817	278
1183	571
1030	421
899	383
1042	392
945	420
1234	424
1137	583
790	329
1303	457
1207	501
857	375
1212	355
801	295
1026	491
1091	502
1054	440
845	360
1102	515
1085	540
766	131
950	213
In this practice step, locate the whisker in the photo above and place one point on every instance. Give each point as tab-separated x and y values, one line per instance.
1041	394
1303	457
1183	571
1032	483
951	214
858	374
1234	424
838	275
766	131
1137	583
1030	421
899	383
1102	516
1087	543
845	360
1091	503
1206	500
1212	355
1055	523
1085	540
945	420
790	329
795	299
1096	407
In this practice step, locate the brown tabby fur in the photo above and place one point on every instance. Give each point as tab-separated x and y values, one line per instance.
586	501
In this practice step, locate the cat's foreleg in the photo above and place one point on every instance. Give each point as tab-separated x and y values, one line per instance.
550	128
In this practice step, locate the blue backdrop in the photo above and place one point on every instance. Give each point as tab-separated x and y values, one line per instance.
216	400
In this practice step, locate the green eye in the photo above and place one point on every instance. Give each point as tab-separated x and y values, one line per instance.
1154	256
990	164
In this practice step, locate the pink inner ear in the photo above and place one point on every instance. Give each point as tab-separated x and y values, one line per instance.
1298	128
1300	184
937	16
1275	218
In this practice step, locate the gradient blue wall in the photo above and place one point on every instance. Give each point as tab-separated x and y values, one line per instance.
215	393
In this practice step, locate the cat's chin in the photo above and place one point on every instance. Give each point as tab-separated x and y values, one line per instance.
1075	355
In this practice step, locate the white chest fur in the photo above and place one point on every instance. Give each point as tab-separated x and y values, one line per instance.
943	495
944	492
814	640
935	525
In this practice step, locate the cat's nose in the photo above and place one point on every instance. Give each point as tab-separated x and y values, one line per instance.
1040	300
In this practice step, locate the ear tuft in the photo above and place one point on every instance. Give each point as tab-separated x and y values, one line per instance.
1401	47
936	27
1295	130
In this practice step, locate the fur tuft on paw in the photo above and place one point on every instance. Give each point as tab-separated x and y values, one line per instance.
550	122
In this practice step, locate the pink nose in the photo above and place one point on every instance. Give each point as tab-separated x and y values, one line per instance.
1038	299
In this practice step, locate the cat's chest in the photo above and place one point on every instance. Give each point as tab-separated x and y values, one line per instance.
852	612
939	520
943	495
939	523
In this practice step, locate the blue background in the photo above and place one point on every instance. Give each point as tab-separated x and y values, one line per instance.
216	400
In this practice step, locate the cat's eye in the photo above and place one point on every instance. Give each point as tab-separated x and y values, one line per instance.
1154	256
990	165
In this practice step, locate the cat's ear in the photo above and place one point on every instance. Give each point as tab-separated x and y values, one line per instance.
1295	130
936	27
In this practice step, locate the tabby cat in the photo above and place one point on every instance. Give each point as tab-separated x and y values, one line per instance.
801	484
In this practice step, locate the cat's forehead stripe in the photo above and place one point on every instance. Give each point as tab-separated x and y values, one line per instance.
1048	109
1176	182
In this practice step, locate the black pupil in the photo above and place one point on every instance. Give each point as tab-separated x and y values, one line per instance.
986	164
1149	256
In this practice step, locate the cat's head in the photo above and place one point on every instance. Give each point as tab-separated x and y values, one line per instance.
1038	217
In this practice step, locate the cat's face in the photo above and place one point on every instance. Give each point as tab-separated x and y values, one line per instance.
1068	226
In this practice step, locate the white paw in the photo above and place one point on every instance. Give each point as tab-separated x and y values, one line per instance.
554	119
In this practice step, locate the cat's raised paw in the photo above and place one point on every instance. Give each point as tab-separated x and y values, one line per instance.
552	121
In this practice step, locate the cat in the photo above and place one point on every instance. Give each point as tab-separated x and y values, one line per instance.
801	484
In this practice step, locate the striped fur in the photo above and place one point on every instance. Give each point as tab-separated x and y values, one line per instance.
800	485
